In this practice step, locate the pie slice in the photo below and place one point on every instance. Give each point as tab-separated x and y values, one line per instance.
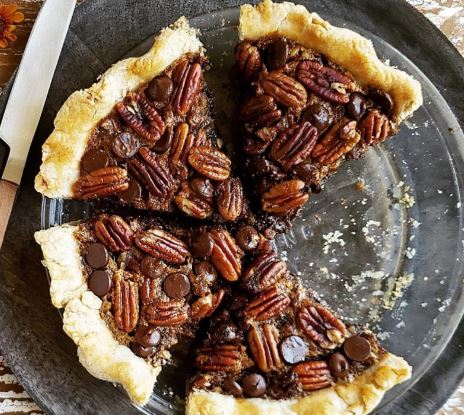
143	135
313	95
279	350
133	288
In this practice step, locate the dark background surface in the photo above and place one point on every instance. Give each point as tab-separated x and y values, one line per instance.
31	337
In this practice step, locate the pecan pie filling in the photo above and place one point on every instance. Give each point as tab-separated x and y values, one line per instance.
158	150
264	335
157	282
301	116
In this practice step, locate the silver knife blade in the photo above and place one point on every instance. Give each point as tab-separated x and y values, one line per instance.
32	82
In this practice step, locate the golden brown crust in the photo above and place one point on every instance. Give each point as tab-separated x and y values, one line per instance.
101	354
64	148
358	397
344	47
98	350
62	258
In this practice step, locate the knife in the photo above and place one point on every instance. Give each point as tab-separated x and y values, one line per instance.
27	97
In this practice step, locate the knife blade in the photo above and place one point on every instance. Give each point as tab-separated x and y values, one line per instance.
30	89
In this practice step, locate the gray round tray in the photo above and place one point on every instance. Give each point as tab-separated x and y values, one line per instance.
102	32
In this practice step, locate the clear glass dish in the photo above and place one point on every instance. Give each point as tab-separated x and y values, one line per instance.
382	243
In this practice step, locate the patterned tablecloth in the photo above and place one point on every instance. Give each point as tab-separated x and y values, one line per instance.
448	15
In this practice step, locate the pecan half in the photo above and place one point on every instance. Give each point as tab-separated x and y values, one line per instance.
226	255
210	162
187	80
191	204
167	314
205	306
263	272
148	170
222	358
338	141
326	82
248	60
285	90
294	145
147	291
180	148
313	375
162	245
263	347
125	301
269	304
374	127
260	111
101	182
230	200
139	114
321	326
114	232
285	197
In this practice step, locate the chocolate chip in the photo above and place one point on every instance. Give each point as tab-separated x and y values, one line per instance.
357	106
94	159
164	143
223	332
202	245
147	336
206	271
357	348
152	267
278	54
254	385
293	349
143	351
382	99
97	255
176	285
132	193
100	282
318	116
202	187
339	366
247	237
231	385
160	89
125	145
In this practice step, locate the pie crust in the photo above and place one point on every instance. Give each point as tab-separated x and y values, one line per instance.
358	397
61	254
64	148
344	47
99	352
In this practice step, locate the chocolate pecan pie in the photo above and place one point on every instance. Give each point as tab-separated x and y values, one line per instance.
313	95
132	287
144	136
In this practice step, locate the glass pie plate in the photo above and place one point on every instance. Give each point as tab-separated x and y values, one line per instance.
381	244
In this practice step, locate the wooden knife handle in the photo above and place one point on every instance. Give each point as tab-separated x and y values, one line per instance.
7	198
